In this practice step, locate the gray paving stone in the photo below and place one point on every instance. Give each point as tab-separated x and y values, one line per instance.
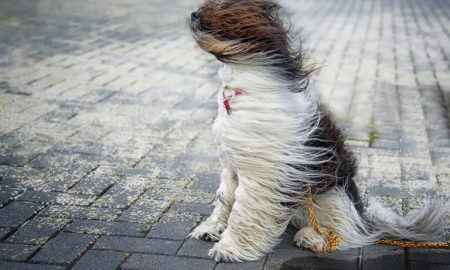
23	177
37	231
156	262
145	211
202	209
429	256
195	248
174	226
8	194
134	244
53	158
4	231
382	257
78	212
118	196
64	248
65	176
15	159
256	265
16	213
16	252
56	198
303	259
99	259
206	181
94	185
427	266
28	266
108	228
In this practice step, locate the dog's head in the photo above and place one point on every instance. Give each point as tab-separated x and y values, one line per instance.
238	29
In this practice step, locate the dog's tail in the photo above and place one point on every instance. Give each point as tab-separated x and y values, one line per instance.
335	211
426	224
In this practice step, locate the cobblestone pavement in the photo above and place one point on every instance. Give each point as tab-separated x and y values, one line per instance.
106	154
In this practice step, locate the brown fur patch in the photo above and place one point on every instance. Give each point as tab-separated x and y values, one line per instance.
242	30
256	25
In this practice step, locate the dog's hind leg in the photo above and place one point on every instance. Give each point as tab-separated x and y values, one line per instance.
308	238
215	224
334	211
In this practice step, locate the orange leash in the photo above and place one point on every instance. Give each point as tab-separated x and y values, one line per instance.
334	240
412	244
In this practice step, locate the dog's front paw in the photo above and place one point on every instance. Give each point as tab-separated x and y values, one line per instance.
223	253
226	250
308	238
206	232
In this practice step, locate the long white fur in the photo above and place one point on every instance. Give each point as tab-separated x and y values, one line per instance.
266	130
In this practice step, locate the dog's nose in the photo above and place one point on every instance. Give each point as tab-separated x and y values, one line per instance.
194	15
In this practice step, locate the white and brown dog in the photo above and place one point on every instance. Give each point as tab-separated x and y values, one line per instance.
275	139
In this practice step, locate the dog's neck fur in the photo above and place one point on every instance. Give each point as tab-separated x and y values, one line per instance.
258	78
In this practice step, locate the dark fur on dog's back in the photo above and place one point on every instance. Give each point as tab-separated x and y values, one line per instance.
341	167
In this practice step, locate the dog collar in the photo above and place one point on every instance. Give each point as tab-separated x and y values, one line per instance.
228	94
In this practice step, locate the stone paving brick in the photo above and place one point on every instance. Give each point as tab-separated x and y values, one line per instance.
93	185
256	265
78	212
23	177
99	259
66	176
28	266
53	158
108	228
37	231
133	244
16	252
174	226
195	248
427	266
207	181
382	257
156	262
64	248
119	196
4	231
429	256
56	198
16	213
145	211
202	209
293	258
8	194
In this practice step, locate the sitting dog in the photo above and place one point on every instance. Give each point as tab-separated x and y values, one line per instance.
276	141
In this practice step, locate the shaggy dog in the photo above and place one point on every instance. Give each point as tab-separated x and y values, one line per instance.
275	140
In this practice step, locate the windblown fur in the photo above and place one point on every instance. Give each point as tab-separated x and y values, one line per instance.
274	139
